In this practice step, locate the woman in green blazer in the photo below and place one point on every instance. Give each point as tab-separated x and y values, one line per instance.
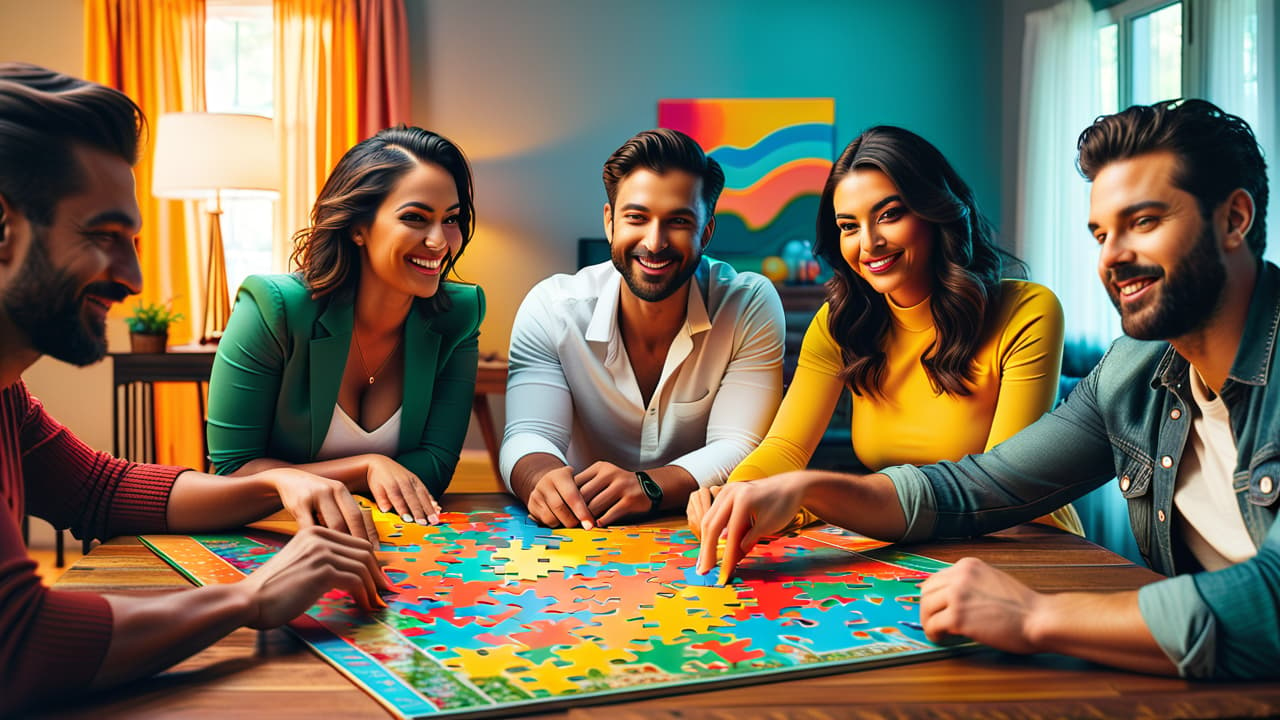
361	367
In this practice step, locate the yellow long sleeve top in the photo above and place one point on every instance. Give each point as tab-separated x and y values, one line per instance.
1015	381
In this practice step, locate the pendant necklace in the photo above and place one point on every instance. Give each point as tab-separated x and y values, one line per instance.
364	366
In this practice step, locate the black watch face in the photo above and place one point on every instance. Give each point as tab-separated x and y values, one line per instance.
651	488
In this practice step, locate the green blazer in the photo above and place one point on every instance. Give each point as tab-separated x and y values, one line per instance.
276	375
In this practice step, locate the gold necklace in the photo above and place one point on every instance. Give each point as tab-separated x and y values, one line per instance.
364	366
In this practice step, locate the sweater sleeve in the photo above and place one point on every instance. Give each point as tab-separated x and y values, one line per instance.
52	642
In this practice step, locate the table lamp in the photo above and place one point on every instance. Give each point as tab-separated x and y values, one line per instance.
202	156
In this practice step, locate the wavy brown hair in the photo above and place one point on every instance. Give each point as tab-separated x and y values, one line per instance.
967	264
326	252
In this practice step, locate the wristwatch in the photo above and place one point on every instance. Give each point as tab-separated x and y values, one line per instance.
651	489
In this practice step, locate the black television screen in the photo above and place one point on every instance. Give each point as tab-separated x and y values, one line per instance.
592	251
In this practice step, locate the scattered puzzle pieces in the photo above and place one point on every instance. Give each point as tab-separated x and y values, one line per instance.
493	610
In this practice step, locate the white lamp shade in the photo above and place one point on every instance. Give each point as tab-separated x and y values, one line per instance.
201	154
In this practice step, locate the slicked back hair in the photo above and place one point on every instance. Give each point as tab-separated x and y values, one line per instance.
44	115
1217	153
660	150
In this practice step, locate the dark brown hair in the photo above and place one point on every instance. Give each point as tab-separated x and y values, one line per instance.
1217	153
43	116
326	252
967	264
660	150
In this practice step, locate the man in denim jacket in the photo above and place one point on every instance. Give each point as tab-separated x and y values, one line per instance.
1181	412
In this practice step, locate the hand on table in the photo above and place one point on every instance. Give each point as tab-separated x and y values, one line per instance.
611	492
556	501
699	503
394	487
314	500
315	561
744	512
974	600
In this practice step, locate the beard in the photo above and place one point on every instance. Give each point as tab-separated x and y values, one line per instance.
644	287
1190	296
47	304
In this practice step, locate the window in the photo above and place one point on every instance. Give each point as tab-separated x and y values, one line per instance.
1219	50
239	66
1140	54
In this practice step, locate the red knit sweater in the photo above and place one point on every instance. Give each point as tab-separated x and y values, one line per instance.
52	642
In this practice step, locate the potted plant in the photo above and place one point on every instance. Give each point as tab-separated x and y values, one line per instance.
149	327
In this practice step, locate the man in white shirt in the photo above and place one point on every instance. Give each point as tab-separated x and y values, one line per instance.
635	382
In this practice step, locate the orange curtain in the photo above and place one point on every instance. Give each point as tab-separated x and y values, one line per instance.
153	51
343	74
317	98
384	65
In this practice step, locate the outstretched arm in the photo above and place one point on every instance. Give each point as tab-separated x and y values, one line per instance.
151	633
200	502
745	512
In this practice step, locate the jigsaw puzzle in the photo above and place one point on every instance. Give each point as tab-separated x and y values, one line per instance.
496	614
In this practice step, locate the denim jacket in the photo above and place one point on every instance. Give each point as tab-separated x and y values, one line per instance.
1129	420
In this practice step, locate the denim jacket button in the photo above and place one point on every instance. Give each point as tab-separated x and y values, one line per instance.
1175	413
1124	483
1266	485
1166	462
1160	515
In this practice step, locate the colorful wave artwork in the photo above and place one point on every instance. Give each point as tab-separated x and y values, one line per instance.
775	153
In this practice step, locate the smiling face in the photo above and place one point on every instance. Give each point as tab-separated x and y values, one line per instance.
1159	259
78	267
407	247
657	229
885	243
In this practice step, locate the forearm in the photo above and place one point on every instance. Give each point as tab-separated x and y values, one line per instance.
867	504
151	632
351	471
676	483
1105	628
528	470
201	502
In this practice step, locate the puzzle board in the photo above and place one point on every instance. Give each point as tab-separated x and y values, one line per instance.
496	614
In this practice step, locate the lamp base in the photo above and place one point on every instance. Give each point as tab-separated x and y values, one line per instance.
217	304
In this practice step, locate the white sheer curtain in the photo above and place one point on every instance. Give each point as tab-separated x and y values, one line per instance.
1240	77
1059	100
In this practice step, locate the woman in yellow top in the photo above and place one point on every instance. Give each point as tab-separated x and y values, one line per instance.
944	358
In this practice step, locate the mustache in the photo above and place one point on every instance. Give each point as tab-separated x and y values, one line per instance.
110	290
1123	273
658	256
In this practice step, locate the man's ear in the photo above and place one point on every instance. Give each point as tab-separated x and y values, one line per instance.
708	231
1240	211
608	222
10	222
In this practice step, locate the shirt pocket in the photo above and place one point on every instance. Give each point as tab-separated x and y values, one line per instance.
1134	479
696	409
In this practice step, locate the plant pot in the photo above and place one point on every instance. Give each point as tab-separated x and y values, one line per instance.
147	342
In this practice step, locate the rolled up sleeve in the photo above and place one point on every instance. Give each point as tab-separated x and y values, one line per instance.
539	403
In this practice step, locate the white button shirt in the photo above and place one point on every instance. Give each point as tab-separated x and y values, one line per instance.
571	391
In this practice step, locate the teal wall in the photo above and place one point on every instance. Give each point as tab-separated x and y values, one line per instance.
540	92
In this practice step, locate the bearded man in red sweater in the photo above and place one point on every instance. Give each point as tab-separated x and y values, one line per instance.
68	223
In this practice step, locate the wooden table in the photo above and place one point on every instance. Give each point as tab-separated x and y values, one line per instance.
251	674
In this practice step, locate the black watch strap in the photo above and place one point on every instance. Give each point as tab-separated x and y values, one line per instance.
651	489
